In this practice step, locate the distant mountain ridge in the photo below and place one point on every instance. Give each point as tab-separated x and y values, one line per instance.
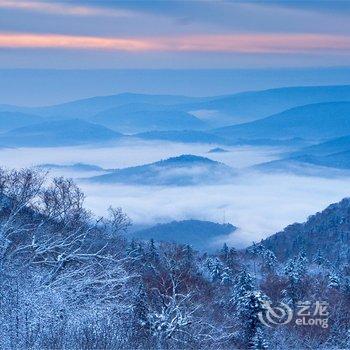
218	150
234	108
335	145
339	160
314	121
58	133
254	105
142	121
315	113
183	170
74	167
334	153
184	136
197	233
11	120
88	107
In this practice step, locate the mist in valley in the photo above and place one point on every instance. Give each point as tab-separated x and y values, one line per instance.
258	203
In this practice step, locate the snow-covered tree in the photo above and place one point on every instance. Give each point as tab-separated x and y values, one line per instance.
141	327
242	285
267	257
249	305
152	253
259	341
295	269
334	280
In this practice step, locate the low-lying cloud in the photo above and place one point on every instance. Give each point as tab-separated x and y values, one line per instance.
258	203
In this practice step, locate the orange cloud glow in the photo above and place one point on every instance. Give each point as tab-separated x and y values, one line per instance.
238	43
72	42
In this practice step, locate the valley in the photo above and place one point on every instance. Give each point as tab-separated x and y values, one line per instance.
160	160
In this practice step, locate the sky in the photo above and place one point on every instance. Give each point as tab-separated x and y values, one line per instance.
173	34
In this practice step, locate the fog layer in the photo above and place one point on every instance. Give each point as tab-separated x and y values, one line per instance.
258	203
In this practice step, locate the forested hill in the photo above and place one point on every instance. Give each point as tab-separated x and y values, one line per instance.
199	234
326	233
69	280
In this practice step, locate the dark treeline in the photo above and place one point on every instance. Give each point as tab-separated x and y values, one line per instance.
69	280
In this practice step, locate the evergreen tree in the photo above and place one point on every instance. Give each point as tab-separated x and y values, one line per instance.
244	282
189	257
333	280
224	253
216	270
269	260
259	341
296	267
249	305
232	262
226	276
140	322
267	257
295	270
319	258
152	253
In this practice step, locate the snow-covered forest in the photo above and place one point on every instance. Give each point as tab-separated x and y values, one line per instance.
70	280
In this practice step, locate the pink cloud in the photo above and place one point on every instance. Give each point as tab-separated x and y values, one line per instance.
73	42
235	43
261	43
